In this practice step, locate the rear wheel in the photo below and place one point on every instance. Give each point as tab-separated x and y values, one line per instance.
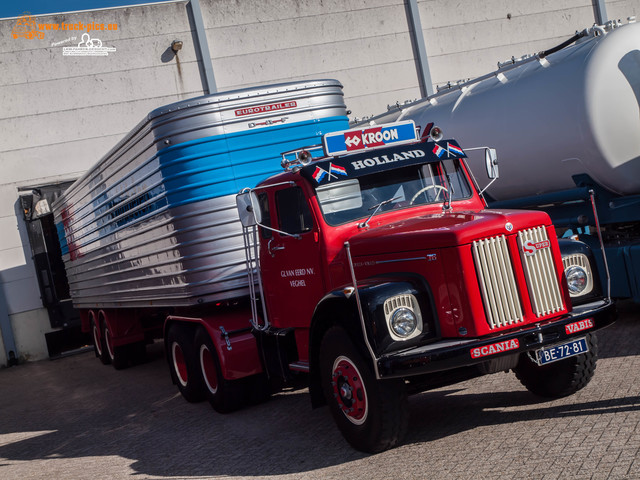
562	378
371	414
118	356
223	395
183	363
98	344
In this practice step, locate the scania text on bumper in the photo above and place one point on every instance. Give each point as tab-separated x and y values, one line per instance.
453	353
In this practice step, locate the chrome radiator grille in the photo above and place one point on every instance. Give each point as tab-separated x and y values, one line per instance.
540	271
497	281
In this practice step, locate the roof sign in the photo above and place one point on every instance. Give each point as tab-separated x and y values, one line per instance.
360	139
326	170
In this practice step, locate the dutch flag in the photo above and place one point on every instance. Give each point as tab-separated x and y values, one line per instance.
455	150
319	174
337	169
438	150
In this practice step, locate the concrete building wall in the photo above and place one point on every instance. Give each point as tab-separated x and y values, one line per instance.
62	113
365	44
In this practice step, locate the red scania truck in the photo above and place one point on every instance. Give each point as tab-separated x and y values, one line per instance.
372	270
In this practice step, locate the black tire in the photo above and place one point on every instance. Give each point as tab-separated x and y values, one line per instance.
116	356
562	378
99	347
371	414
183	363
224	395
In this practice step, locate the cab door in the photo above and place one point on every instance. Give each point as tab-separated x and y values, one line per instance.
290	259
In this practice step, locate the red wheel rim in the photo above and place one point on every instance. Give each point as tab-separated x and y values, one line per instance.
209	371
179	364
349	390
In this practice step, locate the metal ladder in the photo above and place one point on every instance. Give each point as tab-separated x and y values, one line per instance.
252	259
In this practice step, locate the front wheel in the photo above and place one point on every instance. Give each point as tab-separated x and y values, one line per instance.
371	414
562	378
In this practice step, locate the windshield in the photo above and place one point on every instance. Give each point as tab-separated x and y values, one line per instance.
356	198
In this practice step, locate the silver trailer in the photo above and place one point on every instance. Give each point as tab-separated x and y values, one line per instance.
154	222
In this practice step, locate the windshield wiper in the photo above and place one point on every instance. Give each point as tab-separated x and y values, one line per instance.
446	206
375	209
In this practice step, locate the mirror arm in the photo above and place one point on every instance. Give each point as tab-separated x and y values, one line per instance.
488	185
294	235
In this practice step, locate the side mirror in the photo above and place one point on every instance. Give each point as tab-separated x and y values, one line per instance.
491	163
248	209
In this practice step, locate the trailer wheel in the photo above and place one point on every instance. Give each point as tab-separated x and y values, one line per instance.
183	363
98	344
562	378
371	414
224	395
117	355
95	334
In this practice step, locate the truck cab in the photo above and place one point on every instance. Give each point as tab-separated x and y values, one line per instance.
388	275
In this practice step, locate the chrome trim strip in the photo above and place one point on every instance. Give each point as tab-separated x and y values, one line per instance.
379	262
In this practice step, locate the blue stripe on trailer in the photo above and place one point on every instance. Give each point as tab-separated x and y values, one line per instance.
199	170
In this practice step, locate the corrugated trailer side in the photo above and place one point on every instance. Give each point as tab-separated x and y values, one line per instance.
154	222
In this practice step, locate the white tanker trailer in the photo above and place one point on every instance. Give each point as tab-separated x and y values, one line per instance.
565	122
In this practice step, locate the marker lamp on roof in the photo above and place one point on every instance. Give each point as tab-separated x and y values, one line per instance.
436	134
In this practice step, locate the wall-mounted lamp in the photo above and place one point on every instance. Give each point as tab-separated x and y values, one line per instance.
176	45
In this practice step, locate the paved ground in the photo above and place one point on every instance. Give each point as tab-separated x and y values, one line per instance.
75	418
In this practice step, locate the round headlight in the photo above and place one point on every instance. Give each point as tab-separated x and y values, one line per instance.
404	322
577	279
